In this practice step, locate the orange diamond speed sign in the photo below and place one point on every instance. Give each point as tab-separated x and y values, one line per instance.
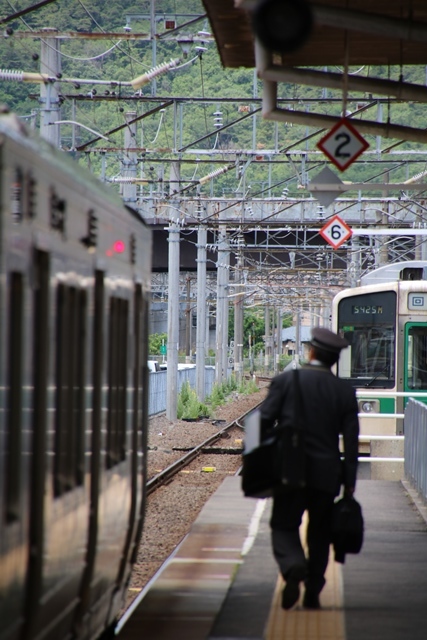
336	232
342	144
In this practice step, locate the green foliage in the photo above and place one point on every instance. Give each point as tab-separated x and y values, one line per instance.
120	62
254	328
217	397
248	386
220	392
155	341
189	407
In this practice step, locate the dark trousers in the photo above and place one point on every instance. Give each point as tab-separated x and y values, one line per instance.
288	509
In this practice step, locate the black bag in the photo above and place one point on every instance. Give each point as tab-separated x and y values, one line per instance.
261	469
347	528
278	461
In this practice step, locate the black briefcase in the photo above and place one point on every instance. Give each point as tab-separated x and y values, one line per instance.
261	470
347	528
279	461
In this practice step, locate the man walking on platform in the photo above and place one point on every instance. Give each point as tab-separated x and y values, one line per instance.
329	408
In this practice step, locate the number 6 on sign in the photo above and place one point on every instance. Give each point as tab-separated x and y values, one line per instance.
342	144
336	232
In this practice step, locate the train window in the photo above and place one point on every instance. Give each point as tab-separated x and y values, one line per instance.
41	341
368	322
31	196
141	356
70	387
117	382
16	195
58	211
133	248
416	355
13	445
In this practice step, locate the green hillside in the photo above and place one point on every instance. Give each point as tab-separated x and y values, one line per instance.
203	87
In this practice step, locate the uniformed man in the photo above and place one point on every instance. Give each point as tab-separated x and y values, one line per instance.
329	408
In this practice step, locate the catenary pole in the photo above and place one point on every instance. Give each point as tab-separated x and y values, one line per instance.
221	355
238	319
201	311
173	300
50	64
129	161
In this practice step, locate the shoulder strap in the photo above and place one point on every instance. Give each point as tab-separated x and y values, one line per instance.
298	405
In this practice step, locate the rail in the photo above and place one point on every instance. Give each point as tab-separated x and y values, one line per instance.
167	474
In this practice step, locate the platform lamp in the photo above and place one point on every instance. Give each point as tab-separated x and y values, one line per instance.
282	26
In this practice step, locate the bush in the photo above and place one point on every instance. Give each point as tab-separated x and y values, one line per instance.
189	406
247	387
217	397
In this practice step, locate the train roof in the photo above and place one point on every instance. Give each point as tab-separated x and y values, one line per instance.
409	270
12	127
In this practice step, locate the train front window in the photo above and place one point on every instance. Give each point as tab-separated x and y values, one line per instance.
417	357
368	323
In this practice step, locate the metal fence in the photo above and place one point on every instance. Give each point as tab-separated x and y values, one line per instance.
416	445
157	386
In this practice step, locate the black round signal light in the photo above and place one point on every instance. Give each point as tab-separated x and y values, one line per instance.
282	25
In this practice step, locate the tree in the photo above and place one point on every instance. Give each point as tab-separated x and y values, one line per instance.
155	341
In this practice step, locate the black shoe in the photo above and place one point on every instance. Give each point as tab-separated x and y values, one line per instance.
311	600
290	594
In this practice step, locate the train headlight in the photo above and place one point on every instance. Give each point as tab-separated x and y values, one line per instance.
369	406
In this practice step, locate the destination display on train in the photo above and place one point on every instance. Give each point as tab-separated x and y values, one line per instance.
370	308
366	309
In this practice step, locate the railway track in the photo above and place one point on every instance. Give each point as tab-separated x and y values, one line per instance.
166	475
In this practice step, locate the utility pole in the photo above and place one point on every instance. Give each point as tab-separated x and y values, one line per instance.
238	319
221	362
278	339
173	300
355	262
188	321
267	337
383	248
129	161
225	364
202	309
298	336
153	34
50	64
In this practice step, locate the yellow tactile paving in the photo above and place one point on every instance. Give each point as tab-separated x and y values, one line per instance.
300	624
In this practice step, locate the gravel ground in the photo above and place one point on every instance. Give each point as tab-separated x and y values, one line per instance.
172	509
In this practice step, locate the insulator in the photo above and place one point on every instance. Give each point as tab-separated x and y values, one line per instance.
8	74
214	174
153	73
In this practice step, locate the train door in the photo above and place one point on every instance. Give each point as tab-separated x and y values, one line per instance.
415	358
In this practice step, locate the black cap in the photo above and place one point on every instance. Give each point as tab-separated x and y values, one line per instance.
327	340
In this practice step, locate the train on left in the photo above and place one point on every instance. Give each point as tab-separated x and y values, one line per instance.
74	299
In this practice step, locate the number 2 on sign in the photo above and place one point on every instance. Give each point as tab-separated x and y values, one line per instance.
338	152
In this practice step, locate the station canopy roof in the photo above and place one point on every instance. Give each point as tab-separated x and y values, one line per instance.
344	34
384	32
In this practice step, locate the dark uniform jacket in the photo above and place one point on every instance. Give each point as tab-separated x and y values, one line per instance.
329	409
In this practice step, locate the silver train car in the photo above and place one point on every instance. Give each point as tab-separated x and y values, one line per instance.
75	278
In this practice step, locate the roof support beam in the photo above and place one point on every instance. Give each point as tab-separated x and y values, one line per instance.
271	111
402	90
386	130
269	71
343	18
